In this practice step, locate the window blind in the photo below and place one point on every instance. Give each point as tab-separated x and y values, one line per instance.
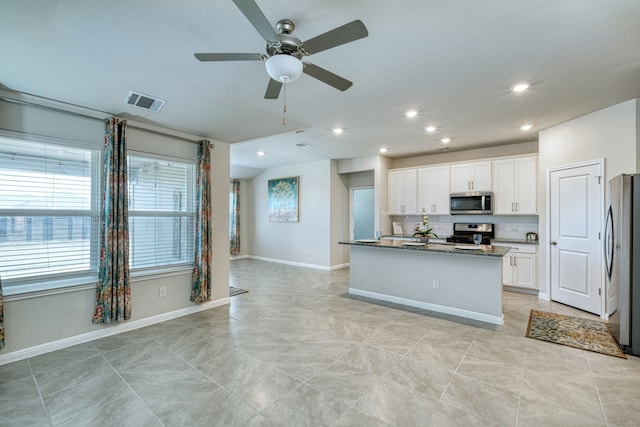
161	212
48	210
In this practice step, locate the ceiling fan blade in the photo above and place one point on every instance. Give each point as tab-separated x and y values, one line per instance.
229	56
252	12
326	76
352	31
273	89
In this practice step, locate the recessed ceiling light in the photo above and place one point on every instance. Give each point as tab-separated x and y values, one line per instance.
337	131
383	150
520	87
526	127
260	153
445	140
430	129
411	113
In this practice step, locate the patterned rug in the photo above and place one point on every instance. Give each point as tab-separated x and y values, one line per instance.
236	291
575	332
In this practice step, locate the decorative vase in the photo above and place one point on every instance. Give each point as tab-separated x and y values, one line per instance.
424	240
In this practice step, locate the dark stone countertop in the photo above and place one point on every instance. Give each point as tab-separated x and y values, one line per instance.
441	247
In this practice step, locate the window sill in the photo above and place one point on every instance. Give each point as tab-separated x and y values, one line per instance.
77	284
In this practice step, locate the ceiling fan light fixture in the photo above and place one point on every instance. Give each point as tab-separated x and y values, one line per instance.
284	68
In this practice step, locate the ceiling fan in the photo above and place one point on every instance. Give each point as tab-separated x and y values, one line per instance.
285	51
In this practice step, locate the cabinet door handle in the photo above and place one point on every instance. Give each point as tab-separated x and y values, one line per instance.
515	261
512	205
517	206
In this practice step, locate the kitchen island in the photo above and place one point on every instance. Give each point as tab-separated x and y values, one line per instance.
462	280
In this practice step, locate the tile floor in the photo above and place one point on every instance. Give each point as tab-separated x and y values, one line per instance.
297	351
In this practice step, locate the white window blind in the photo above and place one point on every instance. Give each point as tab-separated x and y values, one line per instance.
161	212
48	210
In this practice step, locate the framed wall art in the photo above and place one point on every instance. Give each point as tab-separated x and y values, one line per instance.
283	199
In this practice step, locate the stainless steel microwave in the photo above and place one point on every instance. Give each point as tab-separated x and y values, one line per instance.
472	203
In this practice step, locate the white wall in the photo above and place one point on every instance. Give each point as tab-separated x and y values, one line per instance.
306	242
43	319
339	217
466	155
610	134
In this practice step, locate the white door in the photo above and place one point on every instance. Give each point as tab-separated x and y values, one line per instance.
576	201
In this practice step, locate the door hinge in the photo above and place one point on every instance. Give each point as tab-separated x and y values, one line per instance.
599	178
599	236
600	291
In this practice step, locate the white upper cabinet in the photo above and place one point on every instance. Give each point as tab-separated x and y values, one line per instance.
433	190
515	186
471	177
402	192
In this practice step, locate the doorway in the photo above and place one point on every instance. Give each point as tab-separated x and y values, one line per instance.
576	200
362	213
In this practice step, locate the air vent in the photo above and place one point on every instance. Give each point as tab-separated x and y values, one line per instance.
144	102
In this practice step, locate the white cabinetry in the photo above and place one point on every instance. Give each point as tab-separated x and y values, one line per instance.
471	177
433	190
519	266
402	192
514	186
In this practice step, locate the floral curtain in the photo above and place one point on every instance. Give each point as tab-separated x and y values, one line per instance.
113	296
1	319
201	284
234	232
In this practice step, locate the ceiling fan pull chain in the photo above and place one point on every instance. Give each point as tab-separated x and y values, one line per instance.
284	108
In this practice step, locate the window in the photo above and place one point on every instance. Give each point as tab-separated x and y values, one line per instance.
48	210
161	212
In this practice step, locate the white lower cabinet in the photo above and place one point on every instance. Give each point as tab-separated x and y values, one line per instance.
519	266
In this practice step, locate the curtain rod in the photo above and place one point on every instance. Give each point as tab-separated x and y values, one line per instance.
87	116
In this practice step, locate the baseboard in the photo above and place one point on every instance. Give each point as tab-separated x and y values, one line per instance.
496	320
293	263
544	296
518	290
106	332
235	257
299	264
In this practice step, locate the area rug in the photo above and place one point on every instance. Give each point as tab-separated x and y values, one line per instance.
584	334
236	291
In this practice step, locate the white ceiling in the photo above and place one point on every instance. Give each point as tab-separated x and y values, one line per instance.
453	61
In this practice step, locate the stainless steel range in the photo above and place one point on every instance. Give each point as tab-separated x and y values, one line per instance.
463	233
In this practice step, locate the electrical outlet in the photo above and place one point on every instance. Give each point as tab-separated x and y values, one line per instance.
436	284
163	291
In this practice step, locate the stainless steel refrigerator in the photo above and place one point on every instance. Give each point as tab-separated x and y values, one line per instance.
622	259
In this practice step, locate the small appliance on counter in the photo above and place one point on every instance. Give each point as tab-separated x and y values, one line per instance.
532	236
463	233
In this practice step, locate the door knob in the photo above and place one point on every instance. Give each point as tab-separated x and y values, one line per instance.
553	242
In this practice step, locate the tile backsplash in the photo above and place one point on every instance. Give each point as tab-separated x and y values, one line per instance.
506	227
